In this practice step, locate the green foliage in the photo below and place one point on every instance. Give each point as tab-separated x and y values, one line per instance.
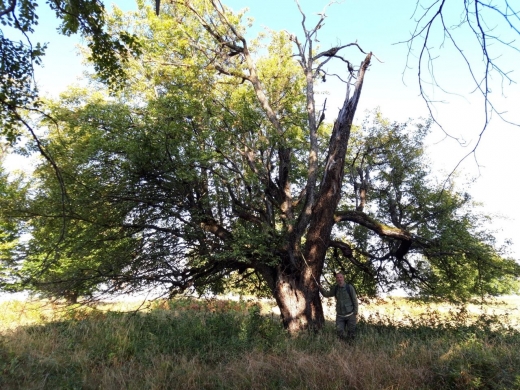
148	184
107	51
450	253
12	192
18	92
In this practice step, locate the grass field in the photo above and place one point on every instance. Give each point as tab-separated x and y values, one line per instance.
225	344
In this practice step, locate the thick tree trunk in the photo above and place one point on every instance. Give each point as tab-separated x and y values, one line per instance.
299	303
294	281
294	287
297	296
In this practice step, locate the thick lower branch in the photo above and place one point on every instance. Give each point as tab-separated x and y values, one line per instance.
370	223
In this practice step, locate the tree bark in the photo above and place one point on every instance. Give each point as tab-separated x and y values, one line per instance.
295	288
297	297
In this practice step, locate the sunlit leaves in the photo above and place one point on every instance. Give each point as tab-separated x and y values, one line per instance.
18	92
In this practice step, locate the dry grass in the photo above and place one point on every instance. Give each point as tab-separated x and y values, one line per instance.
229	345
403	310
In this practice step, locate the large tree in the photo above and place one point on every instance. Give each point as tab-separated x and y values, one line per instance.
213	164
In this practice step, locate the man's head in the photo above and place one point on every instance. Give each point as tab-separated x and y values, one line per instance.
340	279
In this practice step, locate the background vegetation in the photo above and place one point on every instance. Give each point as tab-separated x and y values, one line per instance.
220	344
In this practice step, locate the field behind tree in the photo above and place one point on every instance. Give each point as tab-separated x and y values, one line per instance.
227	344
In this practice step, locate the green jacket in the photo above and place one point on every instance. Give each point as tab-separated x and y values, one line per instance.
344	305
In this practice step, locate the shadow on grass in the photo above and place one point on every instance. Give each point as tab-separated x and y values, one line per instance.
456	354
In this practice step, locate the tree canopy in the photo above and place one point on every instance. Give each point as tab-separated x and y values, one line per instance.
212	168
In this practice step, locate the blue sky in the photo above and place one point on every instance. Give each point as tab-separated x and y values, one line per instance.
377	26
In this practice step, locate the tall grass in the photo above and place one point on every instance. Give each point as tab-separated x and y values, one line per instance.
191	344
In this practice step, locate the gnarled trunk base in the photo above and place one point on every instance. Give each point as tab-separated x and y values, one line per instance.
299	303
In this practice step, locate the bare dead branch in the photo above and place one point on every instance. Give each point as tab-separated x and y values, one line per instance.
474	18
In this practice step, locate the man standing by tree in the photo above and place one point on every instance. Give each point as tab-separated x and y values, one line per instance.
346	307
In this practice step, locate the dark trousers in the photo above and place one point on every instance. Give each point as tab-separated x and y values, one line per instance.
348	323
